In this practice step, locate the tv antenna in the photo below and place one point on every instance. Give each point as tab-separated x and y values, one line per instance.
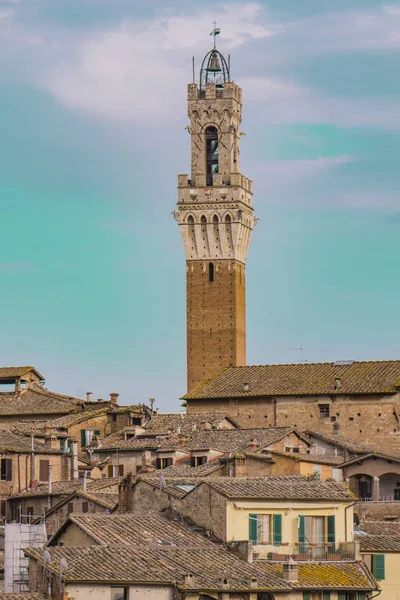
299	349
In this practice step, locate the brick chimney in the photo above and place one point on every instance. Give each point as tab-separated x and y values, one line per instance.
125	494
239	465
114	398
290	570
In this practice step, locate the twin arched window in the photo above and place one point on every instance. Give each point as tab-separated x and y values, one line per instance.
211	154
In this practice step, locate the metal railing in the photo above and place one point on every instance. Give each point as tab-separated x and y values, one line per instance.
321	551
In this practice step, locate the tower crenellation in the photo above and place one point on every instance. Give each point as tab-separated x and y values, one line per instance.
215	217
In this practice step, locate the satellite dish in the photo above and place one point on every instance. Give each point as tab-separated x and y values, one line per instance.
63	564
47	557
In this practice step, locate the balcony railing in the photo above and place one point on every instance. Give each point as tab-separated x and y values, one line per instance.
322	551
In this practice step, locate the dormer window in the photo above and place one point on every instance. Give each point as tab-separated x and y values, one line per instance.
211	154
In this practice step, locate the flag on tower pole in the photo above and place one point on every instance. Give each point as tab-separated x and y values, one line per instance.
216	31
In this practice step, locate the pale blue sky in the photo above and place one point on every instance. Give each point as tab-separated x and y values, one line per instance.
93	111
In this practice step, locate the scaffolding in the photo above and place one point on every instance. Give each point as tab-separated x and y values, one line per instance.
16	565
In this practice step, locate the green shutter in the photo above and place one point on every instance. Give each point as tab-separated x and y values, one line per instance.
253	520
331	529
302	538
361	596
306	596
327	596
97	432
341	596
379	566
277	531
83	438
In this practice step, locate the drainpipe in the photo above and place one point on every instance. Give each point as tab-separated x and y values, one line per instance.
84	480
75	472
19	473
32	459
26	471
345	517
50	485
274	412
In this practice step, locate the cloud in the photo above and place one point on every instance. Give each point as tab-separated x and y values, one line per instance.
16	266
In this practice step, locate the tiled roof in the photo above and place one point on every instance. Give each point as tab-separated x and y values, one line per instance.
340	442
64	488
318	459
169	423
280	487
137	530
374	455
379	527
165	565
375	536
126	408
11	372
109	501
17	442
236	440
364	377
184	469
174	486
27	596
117	441
35	402
335	576
61	422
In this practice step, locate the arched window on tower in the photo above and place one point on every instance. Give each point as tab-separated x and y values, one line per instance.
211	154
210	272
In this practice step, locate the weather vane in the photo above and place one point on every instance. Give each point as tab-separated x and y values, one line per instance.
216	31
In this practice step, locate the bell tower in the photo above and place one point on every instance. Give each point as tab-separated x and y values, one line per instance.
215	217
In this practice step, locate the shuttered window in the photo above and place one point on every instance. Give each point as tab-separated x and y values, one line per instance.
44	470
6	469
70	508
306	596
361	596
85	507
327	596
83	438
120	470
277	529
110	470
341	596
331	529
378	566
301	529
253	528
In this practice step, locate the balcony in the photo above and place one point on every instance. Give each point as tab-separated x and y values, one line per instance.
322	551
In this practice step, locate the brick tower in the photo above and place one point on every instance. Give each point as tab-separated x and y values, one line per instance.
215	217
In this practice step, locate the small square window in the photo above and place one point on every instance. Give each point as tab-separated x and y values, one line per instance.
324	411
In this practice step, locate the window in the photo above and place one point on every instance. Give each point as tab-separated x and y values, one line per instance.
6	469
211	272
323	411
86	437
163	463
114	418
29	511
196	461
70	507
296	450
265	529
3	508
44	470
62	444
378	566
316	530
287	449
211	154
115	470
85	507
119	593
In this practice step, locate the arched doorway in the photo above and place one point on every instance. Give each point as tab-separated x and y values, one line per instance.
361	486
389	486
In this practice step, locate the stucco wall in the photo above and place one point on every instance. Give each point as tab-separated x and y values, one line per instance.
390	586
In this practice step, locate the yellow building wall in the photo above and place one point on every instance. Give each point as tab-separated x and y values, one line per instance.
390	586
238	517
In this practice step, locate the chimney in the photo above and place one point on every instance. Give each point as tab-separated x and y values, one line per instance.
89	396
246	387
125	494
338	383
194	427
245	549
290	570
114	398
75	472
146	457
253	445
178	430
239	465
189	581
50	480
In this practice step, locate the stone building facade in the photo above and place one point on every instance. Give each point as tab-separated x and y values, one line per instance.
356	400
215	217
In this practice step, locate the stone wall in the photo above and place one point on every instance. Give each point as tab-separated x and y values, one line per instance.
372	420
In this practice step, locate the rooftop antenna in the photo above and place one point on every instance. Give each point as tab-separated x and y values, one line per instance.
300	349
216	31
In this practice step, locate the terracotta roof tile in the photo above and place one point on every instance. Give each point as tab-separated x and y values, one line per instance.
64	488
290	487
15	372
335	576
375	536
138	530
121	441
364	377
17	442
36	402
236	440
340	442
27	596
169	423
